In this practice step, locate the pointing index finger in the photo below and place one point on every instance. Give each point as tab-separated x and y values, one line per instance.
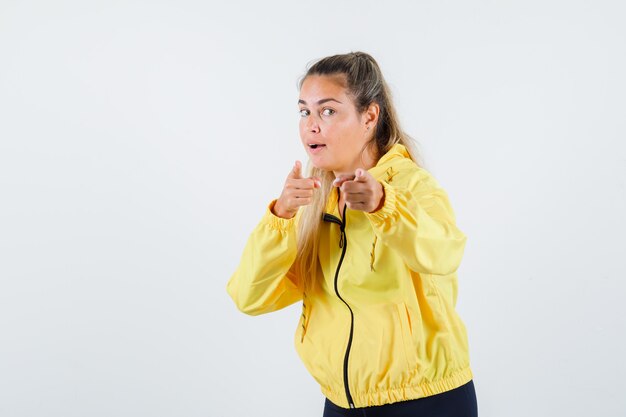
361	175
341	179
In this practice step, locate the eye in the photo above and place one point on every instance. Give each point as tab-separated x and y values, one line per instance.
302	112
331	110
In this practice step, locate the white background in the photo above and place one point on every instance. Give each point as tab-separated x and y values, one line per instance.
141	141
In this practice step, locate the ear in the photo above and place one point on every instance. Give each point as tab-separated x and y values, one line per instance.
370	115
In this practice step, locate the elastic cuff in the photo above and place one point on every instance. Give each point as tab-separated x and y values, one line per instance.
389	205
275	222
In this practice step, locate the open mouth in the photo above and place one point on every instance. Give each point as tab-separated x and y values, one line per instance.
316	145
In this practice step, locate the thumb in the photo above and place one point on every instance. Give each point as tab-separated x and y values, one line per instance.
296	172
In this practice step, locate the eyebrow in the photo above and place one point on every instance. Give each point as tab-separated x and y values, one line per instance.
322	101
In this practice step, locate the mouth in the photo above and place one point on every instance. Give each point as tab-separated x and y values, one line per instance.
316	145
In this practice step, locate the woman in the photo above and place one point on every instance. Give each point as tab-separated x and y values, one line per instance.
368	242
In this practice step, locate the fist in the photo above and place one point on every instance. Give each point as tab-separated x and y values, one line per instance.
361	191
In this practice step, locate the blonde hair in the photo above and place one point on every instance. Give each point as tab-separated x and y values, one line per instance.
365	85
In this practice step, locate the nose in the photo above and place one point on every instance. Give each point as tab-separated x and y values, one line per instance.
312	125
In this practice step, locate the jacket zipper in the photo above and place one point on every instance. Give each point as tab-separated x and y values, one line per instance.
343	243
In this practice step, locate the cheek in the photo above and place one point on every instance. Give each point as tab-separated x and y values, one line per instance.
344	138
302	132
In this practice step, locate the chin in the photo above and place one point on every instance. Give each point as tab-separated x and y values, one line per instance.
321	165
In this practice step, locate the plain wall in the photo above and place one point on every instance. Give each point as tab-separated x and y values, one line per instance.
140	143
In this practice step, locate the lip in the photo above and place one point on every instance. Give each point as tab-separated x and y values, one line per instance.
317	149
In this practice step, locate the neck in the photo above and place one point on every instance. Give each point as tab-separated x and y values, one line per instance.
367	161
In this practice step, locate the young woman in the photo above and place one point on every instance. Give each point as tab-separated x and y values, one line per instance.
367	241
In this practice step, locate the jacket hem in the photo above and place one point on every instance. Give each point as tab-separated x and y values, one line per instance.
400	393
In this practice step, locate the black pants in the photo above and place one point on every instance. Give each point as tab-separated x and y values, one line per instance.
459	402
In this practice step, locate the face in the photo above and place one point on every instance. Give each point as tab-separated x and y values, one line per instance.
331	130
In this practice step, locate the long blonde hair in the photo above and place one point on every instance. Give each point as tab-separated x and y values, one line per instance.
365	84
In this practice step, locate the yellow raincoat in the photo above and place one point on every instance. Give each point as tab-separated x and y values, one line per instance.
381	326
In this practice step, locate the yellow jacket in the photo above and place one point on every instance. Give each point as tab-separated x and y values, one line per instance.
382	325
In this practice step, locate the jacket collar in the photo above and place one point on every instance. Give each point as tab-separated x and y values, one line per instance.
379	171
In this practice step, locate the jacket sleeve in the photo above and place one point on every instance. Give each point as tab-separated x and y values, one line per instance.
416	220
264	281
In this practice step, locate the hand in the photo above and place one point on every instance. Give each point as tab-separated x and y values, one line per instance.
361	191
297	192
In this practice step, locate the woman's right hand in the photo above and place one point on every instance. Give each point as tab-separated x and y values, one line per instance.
297	192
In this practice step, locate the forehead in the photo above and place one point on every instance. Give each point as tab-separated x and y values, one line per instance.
317	87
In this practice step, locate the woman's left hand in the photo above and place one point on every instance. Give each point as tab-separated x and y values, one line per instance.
361	191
